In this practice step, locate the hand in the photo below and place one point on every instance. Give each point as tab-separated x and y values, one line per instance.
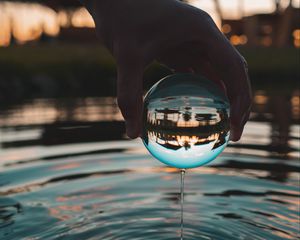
177	35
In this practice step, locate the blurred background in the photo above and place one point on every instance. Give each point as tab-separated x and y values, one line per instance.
67	170
58	83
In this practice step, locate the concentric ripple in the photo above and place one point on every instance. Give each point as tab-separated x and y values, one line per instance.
121	195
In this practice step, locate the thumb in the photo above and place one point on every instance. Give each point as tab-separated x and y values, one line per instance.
130	93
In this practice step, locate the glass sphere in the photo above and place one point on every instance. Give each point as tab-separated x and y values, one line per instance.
185	120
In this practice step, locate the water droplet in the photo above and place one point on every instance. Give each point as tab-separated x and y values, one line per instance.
185	120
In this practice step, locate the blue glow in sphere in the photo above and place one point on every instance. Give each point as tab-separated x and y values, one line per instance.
185	120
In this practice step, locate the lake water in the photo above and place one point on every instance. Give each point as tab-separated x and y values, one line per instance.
68	172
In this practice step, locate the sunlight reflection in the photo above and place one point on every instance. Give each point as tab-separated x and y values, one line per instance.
260	97
43	111
81	18
63	19
66	166
26	22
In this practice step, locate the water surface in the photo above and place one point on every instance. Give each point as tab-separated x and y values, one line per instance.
54	186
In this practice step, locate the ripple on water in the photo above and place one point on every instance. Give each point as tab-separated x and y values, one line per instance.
9	208
112	195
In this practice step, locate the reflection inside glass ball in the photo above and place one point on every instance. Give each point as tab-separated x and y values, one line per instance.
186	121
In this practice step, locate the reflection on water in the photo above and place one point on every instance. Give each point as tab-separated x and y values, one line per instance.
49	121
95	189
131	196
282	111
47	111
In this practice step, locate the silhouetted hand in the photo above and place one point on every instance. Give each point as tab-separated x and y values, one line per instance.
178	35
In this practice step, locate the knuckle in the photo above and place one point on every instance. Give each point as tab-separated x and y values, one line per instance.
235	121
248	101
204	16
123	102
127	105
244	63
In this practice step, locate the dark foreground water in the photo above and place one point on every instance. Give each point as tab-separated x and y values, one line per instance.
58	181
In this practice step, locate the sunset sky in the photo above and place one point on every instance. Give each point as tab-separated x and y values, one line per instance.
27	21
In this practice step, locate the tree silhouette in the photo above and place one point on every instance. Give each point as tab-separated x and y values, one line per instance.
54	4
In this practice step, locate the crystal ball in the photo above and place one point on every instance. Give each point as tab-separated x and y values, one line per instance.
185	120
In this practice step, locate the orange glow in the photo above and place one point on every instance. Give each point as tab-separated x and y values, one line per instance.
46	111
182	140
75	208
83	196
243	39
238	40
297	43
167	178
295	101
235	40
296	34
286	218
170	170
230	8
226	28
63	19
64	212
282	235
260	98
26	22
5	34
187	124
267	29
81	18
67	166
266	41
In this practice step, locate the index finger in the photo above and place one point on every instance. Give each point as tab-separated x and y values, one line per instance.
232	69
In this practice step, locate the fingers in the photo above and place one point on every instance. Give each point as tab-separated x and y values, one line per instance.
130	94
234	82
240	97
189	57
239	103
205	68
239	115
238	90
231	68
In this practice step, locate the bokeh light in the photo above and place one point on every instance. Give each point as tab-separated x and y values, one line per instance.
28	21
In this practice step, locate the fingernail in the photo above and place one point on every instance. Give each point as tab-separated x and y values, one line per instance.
234	136
131	130
231	138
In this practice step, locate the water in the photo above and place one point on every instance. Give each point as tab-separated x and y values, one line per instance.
58	187
182	174
186	121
